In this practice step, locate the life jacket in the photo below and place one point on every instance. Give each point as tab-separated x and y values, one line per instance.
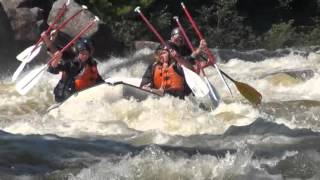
87	78
167	78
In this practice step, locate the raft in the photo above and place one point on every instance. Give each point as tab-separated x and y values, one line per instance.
113	90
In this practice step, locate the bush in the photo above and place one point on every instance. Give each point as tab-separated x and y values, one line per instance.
280	35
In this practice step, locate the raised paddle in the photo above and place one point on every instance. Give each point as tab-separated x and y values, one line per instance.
30	50
31	79
24	54
197	85
28	54
207	50
213	93
251	94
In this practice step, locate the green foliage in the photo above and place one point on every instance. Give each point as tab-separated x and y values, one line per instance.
120	17
280	35
224	23
312	37
285	3
117	8
223	27
129	30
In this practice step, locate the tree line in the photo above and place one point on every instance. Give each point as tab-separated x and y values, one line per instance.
238	24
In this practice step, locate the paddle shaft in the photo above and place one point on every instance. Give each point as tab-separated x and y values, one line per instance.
192	78
195	27
31	78
253	96
192	48
151	27
197	61
28	53
64	23
55	21
247	91
188	42
29	56
157	92
212	59
84	30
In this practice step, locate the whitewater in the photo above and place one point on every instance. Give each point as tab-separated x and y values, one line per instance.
168	138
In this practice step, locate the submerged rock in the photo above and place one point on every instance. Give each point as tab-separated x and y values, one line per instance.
291	76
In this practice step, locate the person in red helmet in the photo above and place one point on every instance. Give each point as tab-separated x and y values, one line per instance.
78	73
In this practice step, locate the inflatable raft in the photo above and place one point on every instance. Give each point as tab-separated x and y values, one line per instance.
113	90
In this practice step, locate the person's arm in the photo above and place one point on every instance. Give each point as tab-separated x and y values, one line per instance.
49	43
203	44
55	66
56	59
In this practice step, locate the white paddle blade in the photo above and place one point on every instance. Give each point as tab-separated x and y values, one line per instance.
213	93
30	80
18	72
24	54
195	83
29	54
26	60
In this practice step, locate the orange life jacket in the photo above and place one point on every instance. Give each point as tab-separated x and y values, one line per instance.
167	78
87	78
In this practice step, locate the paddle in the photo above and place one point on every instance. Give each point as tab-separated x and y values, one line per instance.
33	50
29	53
157	92
134	83
31	79
251	94
27	56
24	54
192	82
207	50
213	93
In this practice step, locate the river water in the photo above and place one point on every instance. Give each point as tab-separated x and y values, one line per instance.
168	138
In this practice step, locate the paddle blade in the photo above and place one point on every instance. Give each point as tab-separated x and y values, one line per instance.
29	54
24	54
195	83
17	72
30	80
213	93
249	93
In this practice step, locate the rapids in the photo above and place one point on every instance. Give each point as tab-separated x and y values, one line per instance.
168	138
